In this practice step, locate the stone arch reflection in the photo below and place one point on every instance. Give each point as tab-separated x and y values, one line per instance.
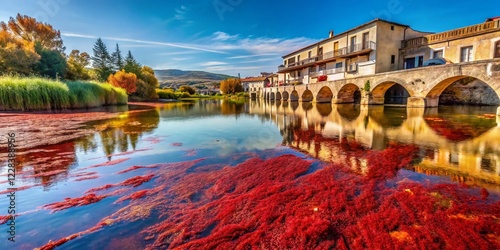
324	109
350	112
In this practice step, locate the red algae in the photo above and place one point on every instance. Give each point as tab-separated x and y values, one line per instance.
191	152
87	178
135	168
74	202
277	204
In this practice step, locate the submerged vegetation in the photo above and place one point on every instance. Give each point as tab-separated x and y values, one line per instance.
34	93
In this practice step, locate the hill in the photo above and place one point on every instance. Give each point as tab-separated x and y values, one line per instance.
174	78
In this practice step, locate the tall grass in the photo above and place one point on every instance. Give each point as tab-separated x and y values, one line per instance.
32	93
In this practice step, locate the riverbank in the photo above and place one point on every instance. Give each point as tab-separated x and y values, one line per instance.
34	93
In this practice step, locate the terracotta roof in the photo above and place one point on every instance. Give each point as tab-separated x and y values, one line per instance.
253	79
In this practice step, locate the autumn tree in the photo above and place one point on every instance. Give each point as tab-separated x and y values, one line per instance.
124	80
187	89
116	58
30	30
77	63
16	56
101	61
231	86
147	84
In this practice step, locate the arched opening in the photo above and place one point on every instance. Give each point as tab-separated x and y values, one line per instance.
307	96
272	96
285	96
464	90
294	96
278	96
294	105
325	94
349	93
389	92
324	109
396	94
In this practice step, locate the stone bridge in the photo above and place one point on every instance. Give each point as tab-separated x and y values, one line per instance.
424	85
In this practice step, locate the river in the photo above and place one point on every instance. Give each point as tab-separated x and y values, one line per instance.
216	174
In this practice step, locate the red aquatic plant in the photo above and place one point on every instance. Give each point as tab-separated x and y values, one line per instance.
110	163
278	203
74	202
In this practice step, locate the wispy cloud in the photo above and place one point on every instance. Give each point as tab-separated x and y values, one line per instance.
259	60
180	58
230	68
223	36
250	56
182	52
181	13
175	45
213	63
264	45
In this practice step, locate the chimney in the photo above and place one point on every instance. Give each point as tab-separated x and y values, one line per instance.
331	34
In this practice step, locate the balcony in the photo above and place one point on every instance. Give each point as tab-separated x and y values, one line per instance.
452	34
326	72
357	49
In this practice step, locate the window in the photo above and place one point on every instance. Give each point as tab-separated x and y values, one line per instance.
322	66
413	62
298	73
497	49
437	54
453	158
338	65
353	43
392	27
298	58
312	69
466	54
310	53
366	37
393	59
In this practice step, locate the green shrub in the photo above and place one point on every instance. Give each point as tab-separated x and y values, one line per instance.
166	94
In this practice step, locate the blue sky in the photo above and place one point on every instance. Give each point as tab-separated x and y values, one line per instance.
230	36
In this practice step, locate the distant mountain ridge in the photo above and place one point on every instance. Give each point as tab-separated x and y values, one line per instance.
175	77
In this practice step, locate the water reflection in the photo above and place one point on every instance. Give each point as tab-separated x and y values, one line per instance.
460	142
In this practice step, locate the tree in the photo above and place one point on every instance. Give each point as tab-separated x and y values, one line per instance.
117	59
51	64
147	84
124	80
187	89
131	65
231	86
77	63
28	29
101	61
16	56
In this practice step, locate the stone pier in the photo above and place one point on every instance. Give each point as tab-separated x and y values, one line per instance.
422	102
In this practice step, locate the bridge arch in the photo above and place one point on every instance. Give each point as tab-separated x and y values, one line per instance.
325	94
285	96
307	96
452	83
278	96
294	96
349	93
391	92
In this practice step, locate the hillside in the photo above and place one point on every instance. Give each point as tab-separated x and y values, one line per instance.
174	78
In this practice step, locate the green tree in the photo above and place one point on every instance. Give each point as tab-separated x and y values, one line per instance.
16	56
51	64
101	61
187	89
77	63
131	65
117	59
29	29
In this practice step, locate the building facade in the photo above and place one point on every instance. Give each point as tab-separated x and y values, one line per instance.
382	46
